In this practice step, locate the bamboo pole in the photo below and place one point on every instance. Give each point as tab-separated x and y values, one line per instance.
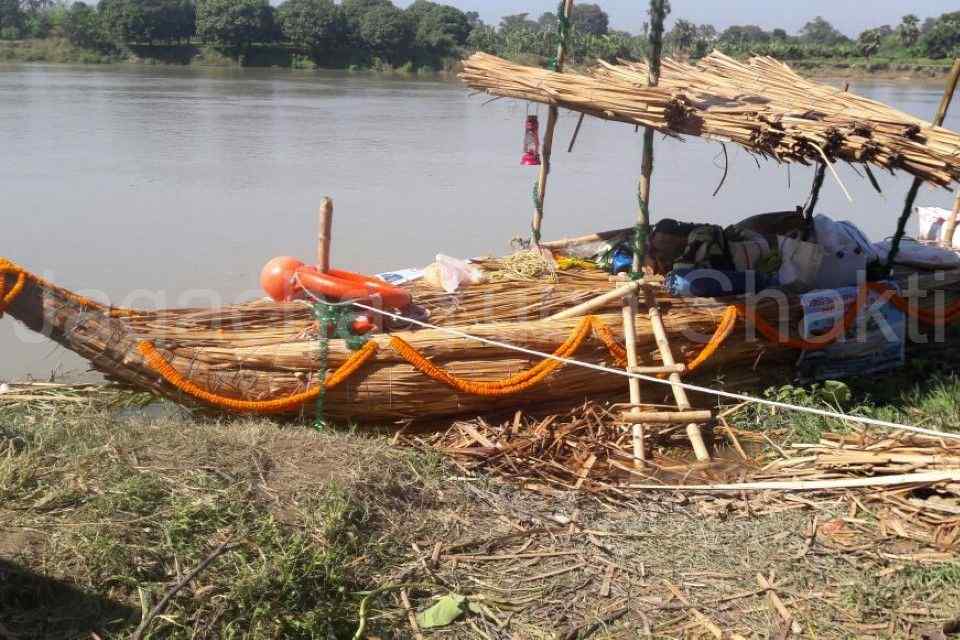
324	234
630	342
667	417
658	13
679	393
917	182
596	303
565	243
950	226
552	115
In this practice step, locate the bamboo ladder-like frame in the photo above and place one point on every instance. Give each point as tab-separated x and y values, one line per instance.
630	308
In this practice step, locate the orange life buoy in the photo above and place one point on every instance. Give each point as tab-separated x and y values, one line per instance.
345	285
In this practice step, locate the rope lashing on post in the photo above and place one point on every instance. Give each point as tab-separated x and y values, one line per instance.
538	207
23	276
279	405
340	317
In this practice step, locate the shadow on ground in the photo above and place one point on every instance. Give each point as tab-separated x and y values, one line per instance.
35	606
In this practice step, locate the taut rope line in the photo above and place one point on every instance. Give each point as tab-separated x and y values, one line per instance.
690	387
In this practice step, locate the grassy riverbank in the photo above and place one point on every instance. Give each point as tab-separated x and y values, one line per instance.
59	50
103	511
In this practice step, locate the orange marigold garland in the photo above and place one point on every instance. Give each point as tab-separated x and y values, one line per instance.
278	405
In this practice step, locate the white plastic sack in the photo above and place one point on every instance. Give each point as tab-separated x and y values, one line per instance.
931	222
800	263
846	252
915	254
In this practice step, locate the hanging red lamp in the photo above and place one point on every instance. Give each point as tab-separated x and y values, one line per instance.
531	143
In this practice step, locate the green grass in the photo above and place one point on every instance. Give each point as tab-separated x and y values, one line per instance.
101	513
117	509
924	393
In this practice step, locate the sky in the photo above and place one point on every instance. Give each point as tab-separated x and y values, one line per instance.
850	16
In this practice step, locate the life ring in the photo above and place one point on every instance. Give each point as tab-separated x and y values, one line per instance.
345	285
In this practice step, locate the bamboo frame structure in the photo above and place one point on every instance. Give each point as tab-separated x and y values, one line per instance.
761	105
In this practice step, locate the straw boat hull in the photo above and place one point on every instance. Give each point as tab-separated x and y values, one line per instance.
220	352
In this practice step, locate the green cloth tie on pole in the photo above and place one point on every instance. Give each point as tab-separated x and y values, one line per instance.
341	318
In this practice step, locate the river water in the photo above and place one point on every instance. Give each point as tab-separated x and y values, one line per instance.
161	186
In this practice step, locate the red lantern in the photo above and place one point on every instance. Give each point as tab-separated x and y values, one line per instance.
531	143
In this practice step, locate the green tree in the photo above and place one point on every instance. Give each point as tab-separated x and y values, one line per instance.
135	21
779	34
437	27
518	22
909	30
683	36
81	26
590	18
234	23
317	26
869	42
548	22
353	11
123	20
819	31
943	38
169	20
484	38
386	31
743	35
11	20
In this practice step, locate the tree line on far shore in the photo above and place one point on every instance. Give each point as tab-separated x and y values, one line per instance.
365	32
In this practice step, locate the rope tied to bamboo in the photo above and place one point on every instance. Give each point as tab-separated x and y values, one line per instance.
341	318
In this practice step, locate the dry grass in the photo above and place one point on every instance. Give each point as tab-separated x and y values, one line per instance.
102	511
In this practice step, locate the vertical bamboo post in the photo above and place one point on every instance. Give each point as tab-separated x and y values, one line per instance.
630	342
658	13
948	92
950	226
552	114
324	234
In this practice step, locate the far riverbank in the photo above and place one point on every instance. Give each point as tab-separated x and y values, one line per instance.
60	51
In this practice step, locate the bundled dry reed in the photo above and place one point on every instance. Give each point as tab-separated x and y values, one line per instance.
762	105
587	451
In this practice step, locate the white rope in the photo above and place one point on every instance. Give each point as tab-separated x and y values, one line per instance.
690	387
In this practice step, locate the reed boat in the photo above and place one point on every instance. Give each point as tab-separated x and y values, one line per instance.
262	357
267	357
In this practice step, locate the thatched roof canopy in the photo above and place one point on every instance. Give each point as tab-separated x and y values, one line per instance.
762	105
